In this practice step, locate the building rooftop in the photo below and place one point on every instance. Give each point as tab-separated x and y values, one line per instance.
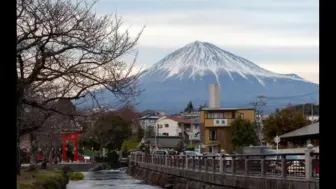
210	109
179	119
312	129
150	117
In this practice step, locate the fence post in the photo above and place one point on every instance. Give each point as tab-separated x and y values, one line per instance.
193	163
166	160
283	166
309	162
186	162
206	163
221	165
246	167
263	166
233	165
200	161
214	164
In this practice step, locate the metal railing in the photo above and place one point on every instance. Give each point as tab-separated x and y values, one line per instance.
270	165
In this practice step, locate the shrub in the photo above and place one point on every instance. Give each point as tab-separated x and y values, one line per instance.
76	176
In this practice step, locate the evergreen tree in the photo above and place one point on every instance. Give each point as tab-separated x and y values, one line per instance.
243	133
189	108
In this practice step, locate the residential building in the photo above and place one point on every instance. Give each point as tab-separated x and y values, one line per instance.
188	129
216	122
297	140
148	121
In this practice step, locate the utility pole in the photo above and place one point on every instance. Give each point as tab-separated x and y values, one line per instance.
312	111
259	116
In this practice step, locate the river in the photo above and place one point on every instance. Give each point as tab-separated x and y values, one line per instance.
108	179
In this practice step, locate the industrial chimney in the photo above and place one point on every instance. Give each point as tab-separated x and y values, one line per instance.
214	96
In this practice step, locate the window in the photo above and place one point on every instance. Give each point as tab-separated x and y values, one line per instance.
166	125
233	115
180	134
213	135
165	134
215	115
242	115
217	121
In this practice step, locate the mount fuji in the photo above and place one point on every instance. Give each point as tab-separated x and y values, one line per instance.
185	75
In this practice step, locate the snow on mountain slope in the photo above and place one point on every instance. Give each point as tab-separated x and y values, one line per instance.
185	75
198	58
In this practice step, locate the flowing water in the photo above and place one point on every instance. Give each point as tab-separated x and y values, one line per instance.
107	179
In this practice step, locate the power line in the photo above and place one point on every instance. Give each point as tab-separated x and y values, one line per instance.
286	97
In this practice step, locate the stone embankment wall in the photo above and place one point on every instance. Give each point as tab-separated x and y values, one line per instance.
182	179
169	181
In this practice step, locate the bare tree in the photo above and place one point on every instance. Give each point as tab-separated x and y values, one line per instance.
66	51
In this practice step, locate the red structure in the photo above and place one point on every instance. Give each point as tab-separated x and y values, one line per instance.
70	135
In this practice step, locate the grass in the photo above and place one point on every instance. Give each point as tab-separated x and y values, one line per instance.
50	178
131	144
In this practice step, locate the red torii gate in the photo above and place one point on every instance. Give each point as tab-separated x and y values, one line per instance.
70	135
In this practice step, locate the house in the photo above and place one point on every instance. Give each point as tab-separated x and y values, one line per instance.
148	121
297	140
177	126
216	122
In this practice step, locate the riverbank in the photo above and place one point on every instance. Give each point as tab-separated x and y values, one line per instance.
40	179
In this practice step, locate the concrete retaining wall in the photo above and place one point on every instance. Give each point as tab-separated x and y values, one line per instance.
185	179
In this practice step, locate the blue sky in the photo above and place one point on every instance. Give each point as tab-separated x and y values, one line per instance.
279	35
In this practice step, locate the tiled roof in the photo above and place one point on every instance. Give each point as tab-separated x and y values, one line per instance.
312	129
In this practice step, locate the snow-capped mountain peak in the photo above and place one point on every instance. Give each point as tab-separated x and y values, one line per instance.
198	58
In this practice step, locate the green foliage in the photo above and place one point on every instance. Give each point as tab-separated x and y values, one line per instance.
243	133
189	108
140	134
283	121
144	148
131	144
69	152
109	131
76	176
179	146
